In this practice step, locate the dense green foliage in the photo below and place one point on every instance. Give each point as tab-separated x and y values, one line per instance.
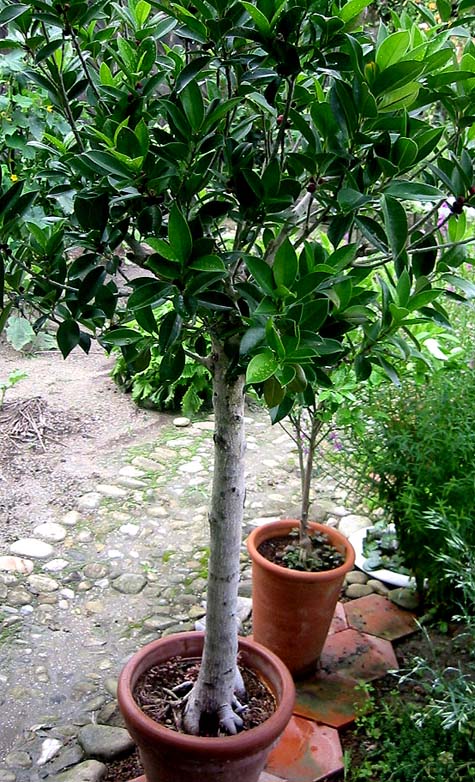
224	145
414	449
429	733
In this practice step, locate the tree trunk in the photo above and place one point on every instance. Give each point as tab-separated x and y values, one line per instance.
214	690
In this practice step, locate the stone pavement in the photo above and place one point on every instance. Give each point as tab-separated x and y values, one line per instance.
127	565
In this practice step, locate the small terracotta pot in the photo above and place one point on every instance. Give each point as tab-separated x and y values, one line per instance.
292	610
168	756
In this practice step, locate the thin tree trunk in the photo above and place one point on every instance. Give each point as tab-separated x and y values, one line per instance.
214	690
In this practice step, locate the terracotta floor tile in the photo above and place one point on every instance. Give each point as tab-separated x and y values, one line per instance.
377	615
358	655
331	699
306	752
339	621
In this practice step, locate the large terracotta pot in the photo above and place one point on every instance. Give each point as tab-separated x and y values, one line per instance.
292	610
168	756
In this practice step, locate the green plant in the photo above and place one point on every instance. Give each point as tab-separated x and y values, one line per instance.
415	451
189	393
12	379
265	164
397	747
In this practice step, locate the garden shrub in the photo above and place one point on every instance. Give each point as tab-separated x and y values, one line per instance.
414	450
190	393
398	747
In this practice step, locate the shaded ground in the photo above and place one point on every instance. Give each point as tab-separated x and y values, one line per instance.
89	417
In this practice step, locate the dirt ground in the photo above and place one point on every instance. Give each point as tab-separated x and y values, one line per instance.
84	416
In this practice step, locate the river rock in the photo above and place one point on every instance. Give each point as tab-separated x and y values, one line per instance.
96	570
89	501
129	471
39	584
89	771
129	583
131	483
356	577
49	748
113	492
181	422
56	565
18	759
378	587
353	523
150	465
16	565
18	597
69	756
105	742
71	518
404	597
6	775
32	547
358	590
50	531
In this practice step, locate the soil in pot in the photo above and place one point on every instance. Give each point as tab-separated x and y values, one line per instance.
161	694
286	551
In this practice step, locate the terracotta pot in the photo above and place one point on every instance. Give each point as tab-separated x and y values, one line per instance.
292	610
168	756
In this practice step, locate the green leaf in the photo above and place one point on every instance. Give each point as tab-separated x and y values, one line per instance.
401	98
353	8
262	274
251	339
444	8
68	336
462	284
172	365
395	222
285	265
179	235
404	152
273	392
274	339
392	49
208	263
163	248
149	294
142	12
192	102
397	76
121	336
190	71
105	163
413	191
281	411
261	22
362	367
403	288
146	319
261	367
350	199
388	370
92	210
19	332
170	330
12	12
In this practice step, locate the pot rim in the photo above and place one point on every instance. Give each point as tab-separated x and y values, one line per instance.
248	741
277	529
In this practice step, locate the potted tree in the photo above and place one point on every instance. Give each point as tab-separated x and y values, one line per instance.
260	161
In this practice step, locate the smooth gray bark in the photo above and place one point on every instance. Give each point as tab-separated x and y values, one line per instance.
214	690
